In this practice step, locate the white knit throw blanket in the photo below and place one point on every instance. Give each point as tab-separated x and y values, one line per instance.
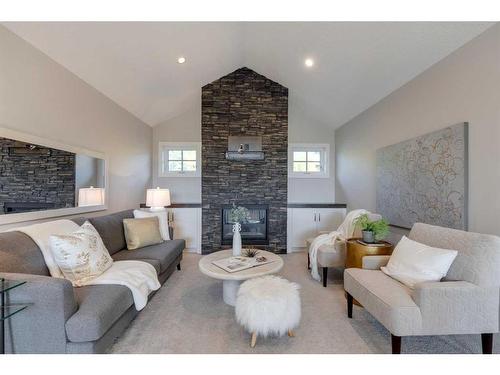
140	277
343	233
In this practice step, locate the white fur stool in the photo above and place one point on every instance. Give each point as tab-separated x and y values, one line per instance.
268	305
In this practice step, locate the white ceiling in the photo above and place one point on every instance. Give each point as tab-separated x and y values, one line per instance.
356	63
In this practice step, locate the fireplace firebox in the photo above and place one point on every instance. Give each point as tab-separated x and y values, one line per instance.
253	231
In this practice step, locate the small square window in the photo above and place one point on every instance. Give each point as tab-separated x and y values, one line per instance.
179	159
309	160
175	155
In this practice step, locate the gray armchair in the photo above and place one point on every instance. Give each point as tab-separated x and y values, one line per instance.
465	302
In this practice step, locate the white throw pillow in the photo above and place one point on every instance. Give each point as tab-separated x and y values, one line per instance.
162	220
412	262
80	255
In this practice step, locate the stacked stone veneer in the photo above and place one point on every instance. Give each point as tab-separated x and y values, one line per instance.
244	103
41	175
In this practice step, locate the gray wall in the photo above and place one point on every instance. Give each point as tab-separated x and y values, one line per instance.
40	97
304	127
86	171
184	128
462	87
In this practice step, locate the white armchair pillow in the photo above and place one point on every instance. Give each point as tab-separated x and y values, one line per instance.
412	262
162	219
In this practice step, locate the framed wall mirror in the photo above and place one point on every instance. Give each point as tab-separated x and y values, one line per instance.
40	178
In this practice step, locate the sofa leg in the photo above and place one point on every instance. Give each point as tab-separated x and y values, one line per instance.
349	305
308	261
487	343
325	276
396	344
179	267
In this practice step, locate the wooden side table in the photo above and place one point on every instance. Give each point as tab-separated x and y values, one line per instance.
355	252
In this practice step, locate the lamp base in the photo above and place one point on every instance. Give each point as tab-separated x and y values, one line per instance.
156	209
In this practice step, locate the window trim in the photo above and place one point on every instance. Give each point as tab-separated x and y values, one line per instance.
171	146
324	148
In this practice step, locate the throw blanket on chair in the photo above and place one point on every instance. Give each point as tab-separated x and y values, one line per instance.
343	233
139	277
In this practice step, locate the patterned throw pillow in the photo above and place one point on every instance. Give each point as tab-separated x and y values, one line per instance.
81	255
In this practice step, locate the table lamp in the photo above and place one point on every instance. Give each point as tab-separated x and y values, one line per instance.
90	196
157	198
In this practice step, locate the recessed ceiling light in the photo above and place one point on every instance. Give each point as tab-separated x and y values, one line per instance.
181	60
309	62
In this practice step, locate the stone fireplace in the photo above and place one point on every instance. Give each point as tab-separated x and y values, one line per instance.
253	230
244	104
34	177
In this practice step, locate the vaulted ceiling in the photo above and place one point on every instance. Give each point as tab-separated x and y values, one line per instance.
356	64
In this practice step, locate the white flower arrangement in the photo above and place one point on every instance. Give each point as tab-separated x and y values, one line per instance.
238	214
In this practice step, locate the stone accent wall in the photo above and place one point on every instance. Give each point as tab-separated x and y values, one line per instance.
36	175
244	103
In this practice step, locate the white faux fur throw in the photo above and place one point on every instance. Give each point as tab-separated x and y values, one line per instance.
139	277
343	233
40	233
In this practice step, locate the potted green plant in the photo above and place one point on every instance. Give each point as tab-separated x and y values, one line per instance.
372	231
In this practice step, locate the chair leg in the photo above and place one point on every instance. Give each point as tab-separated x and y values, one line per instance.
487	343
396	344
349	305
308	261
325	276
253	341
179	267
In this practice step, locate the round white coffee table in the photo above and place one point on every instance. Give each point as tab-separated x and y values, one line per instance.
231	281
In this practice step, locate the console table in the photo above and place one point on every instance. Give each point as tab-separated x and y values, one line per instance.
8	310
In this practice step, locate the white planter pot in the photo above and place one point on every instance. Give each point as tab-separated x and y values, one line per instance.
236	239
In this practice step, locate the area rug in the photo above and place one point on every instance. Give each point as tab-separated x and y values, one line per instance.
188	315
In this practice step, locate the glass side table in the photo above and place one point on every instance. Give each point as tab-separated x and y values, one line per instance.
7	311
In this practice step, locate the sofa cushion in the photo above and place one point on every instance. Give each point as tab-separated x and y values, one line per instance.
20	254
99	307
388	300
110	227
165	253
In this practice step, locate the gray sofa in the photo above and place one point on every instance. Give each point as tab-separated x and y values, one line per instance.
63	319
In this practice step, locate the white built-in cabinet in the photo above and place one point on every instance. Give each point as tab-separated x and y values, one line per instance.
304	223
187	225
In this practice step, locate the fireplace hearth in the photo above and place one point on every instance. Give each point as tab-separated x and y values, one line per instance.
253	231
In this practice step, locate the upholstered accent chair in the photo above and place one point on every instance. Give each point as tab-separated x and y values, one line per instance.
466	301
333	256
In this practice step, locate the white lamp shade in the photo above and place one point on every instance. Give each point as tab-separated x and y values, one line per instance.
90	196
157	198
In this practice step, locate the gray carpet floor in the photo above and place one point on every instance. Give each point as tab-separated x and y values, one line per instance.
188	315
